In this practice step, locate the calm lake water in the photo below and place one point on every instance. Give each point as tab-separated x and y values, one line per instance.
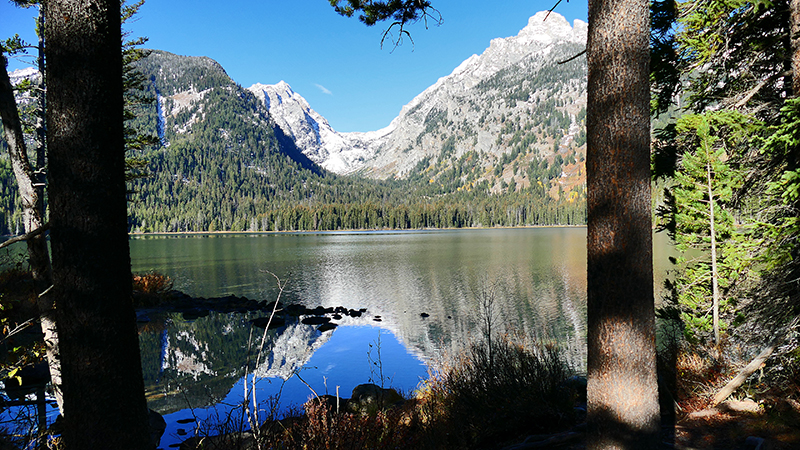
194	368
535	276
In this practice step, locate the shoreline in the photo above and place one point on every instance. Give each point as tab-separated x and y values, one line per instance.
344	231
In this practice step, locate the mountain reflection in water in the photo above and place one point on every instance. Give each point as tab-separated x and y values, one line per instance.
536	278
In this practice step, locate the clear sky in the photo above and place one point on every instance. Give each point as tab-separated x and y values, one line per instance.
336	63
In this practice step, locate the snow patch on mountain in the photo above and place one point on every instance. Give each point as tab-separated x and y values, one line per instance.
18	76
313	135
161	120
384	152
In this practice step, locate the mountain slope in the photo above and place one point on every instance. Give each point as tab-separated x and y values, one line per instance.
497	142
221	153
510	116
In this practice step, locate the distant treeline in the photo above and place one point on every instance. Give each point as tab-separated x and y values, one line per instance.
235	170
504	210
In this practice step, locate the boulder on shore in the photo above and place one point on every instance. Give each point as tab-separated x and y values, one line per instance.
370	398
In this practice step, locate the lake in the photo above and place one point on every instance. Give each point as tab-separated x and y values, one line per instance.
534	277
425	296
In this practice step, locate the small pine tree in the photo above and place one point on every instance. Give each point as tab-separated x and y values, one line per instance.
698	216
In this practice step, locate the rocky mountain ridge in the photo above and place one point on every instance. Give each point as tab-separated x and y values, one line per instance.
475	98
499	141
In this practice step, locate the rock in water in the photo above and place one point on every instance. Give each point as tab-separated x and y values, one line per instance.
315	320
326	327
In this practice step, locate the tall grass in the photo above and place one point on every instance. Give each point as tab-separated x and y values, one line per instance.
498	390
492	394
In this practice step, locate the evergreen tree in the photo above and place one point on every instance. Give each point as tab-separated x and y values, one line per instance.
700	220
99	348
735	58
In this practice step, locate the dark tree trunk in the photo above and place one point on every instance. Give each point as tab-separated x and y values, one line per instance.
104	405
622	391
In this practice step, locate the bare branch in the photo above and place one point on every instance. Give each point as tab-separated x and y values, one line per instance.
758	87
572	58
552	9
26	236
18	329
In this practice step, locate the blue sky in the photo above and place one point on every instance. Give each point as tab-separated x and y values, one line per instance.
336	63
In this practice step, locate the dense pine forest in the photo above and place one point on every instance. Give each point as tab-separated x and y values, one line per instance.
220	163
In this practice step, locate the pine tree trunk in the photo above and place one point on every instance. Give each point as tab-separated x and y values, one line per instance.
623	410
32	195
104	404
714	272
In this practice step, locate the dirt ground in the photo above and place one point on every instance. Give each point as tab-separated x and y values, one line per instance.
774	424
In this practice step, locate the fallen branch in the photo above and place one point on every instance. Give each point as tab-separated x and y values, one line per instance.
752	367
26	236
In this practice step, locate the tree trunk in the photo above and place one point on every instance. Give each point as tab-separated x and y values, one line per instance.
794	36
32	195
714	272
623	409
104	405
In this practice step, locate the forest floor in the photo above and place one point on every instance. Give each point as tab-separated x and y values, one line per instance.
742	425
772	424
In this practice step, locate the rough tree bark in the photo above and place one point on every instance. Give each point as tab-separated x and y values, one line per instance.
32	195
623	410
104	404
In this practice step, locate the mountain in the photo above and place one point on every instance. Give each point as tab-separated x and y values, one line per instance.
514	92
334	151
221	153
498	142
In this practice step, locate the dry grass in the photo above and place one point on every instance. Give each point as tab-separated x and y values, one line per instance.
698	372
491	394
497	391
323	429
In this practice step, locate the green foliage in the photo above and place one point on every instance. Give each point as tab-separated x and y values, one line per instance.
137	138
705	181
721	52
13	45
401	11
780	251
731	57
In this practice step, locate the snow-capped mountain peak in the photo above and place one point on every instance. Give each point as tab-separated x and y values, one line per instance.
386	152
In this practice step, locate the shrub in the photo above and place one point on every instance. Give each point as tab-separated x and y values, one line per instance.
498	390
151	289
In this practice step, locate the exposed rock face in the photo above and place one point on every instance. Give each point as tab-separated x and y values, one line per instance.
471	104
334	151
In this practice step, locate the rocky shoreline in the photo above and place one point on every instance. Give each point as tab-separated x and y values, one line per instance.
192	308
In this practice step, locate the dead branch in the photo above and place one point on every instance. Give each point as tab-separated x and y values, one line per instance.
573	57
758	87
26	236
754	365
